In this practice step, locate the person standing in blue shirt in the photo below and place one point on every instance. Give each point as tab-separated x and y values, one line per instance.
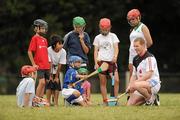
73	93
77	42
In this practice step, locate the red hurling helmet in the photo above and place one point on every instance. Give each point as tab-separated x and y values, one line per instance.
132	14
105	23
26	69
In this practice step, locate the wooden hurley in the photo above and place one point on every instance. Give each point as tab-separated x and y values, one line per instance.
116	99
102	68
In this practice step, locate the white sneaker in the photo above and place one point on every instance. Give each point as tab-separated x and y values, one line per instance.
150	102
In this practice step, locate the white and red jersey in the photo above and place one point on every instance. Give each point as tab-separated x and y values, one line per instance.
145	63
136	33
105	45
39	45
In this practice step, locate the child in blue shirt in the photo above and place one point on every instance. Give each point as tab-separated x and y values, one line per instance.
77	42
73	93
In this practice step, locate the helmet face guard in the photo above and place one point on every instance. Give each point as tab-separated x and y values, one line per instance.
74	59
41	23
133	14
105	26
105	23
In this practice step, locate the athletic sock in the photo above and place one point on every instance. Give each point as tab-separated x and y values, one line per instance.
70	98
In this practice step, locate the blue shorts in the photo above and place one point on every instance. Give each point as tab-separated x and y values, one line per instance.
153	83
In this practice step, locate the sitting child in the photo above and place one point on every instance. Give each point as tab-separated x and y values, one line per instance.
86	85
73	93
25	91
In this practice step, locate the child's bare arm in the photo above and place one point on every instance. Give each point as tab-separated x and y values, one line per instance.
26	99
88	94
30	54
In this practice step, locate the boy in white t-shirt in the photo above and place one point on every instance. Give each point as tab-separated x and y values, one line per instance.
25	91
57	58
106	50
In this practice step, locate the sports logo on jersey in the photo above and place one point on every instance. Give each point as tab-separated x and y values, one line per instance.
107	45
42	46
140	71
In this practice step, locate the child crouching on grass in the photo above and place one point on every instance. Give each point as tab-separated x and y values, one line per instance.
73	93
86	85
25	91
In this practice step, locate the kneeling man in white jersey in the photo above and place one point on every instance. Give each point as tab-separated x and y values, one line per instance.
145	81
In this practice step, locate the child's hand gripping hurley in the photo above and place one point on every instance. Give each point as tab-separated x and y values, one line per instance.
102	68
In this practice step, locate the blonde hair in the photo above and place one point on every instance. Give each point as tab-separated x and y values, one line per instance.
140	40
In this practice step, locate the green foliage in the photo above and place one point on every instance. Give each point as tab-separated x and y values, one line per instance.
169	110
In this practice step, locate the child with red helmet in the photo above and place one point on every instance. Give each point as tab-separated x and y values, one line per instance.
106	50
138	29
25	91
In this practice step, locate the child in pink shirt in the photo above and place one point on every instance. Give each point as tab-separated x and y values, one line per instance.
86	85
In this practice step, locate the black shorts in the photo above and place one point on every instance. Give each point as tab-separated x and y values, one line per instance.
43	74
53	85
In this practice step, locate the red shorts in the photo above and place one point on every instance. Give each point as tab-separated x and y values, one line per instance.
112	67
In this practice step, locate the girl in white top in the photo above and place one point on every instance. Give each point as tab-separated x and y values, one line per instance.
57	58
106	50
25	91
105	46
138	30
145	81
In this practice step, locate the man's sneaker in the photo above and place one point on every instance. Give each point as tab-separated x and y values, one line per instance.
148	103
157	100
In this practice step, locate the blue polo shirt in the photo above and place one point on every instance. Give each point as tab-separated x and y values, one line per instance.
70	77
73	46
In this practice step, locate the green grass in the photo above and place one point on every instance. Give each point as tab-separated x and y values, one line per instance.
169	110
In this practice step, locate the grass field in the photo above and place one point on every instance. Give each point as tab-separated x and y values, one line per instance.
169	110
